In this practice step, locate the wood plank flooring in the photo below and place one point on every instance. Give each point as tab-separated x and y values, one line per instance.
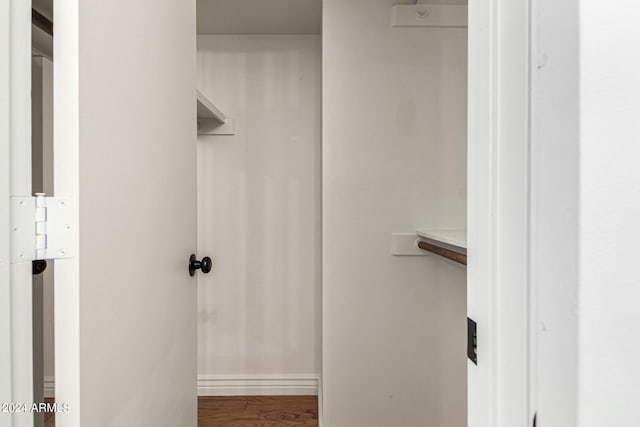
258	411
250	411
49	418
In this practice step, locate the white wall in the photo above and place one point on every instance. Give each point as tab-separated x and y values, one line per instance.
259	216
394	159
588	93
609	341
555	154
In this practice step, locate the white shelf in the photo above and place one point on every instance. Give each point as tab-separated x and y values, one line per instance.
457	238
212	121
206	109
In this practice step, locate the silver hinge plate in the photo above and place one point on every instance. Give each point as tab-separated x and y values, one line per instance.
41	228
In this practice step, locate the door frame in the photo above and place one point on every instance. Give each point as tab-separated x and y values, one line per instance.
499	292
5	220
17	242
5	210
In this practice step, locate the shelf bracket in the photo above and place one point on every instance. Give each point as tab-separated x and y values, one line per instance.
214	127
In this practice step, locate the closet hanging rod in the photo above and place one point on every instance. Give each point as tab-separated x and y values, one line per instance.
444	252
42	22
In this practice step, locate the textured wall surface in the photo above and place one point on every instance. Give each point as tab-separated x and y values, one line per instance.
394	159
259	208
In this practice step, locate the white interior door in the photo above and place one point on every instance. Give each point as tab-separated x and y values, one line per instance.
16	240
125	149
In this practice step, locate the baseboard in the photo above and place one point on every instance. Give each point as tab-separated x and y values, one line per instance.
258	385
242	385
49	387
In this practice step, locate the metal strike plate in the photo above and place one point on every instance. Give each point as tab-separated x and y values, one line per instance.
472	340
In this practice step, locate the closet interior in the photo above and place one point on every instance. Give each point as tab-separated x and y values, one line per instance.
332	198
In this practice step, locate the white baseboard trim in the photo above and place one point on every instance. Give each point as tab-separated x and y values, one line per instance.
241	385
49	387
258	385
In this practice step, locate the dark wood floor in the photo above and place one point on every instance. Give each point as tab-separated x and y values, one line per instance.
50	418
250	411
258	411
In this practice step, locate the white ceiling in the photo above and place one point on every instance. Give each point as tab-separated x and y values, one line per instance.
259	16
256	16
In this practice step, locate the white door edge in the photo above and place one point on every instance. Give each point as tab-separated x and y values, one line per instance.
66	184
498	212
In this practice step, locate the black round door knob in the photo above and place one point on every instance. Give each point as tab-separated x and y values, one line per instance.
204	265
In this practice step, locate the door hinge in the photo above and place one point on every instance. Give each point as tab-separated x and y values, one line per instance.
41	228
472	340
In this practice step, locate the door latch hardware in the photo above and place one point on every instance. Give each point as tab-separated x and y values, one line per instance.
472	341
204	265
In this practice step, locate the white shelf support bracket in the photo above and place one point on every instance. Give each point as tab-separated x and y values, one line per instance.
212	121
429	15
406	244
215	127
42	228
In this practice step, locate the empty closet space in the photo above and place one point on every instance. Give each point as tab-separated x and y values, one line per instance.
332	196
259	197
